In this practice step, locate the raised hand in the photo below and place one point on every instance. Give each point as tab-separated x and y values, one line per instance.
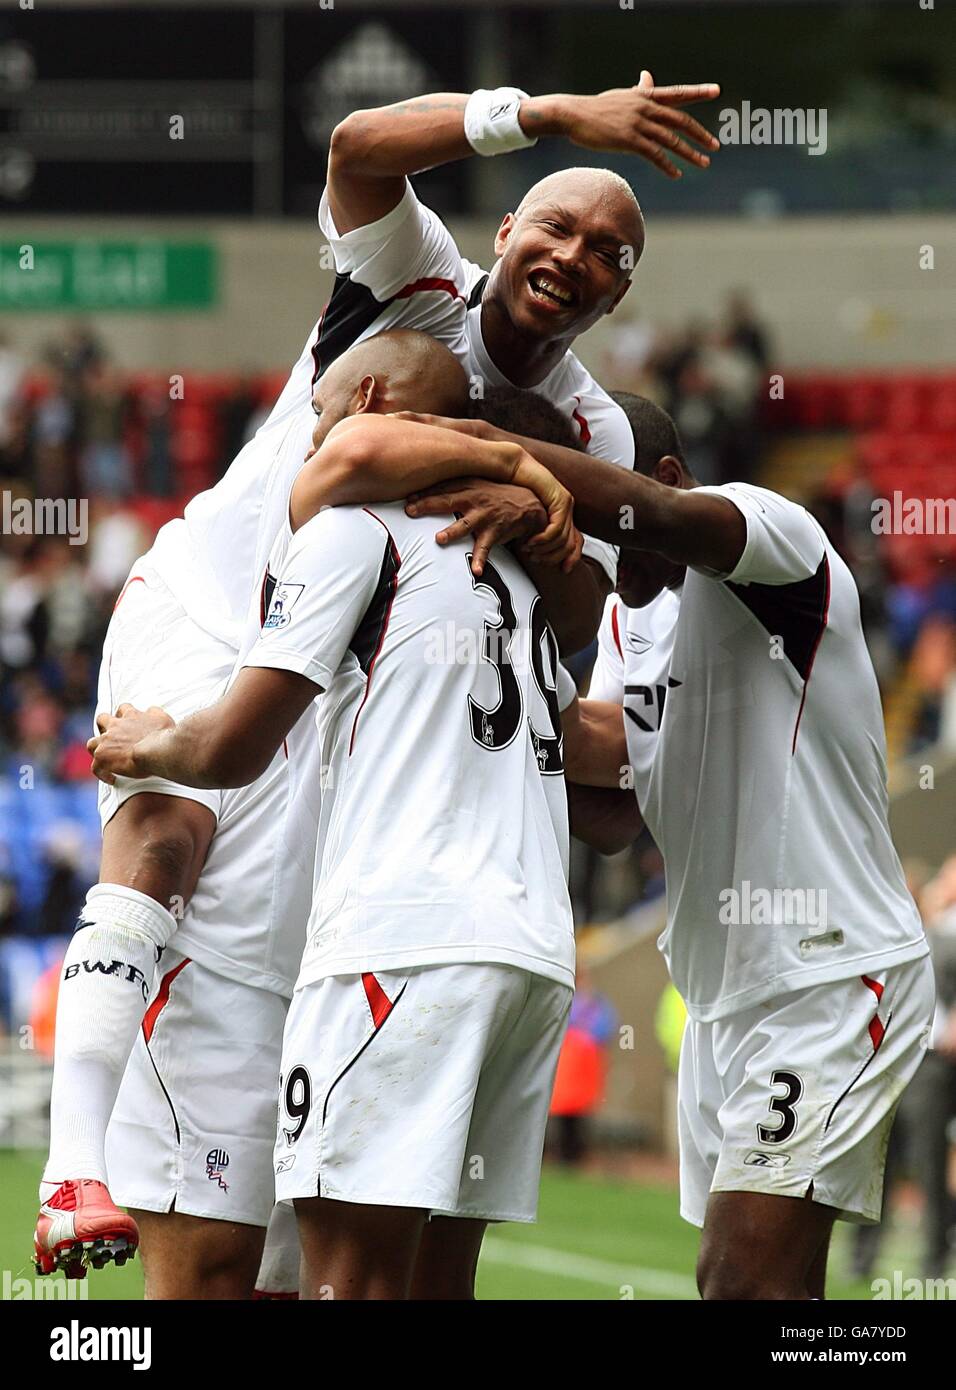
645	120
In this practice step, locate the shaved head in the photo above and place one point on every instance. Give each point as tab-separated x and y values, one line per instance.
412	370
611	194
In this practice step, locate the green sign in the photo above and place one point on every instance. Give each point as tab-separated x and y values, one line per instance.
107	275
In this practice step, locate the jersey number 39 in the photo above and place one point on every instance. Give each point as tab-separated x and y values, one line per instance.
496	728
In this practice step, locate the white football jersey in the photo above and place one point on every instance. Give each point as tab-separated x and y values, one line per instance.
760	767
646	635
442	829
403	271
392	270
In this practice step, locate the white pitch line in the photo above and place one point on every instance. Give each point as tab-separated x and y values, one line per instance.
562	1264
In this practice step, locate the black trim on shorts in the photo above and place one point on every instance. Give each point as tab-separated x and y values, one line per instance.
842	1098
351	1063
172	1108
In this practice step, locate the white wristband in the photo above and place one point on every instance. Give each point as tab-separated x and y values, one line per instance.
491	121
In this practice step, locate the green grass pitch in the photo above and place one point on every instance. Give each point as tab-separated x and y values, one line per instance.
595	1239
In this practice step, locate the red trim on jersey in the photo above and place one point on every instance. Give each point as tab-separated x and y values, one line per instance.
430	282
151	1016
136	579
378	1001
875	1028
393	585
582	424
813	654
616	631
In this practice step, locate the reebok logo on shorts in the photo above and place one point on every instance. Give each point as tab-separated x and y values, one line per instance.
762	1160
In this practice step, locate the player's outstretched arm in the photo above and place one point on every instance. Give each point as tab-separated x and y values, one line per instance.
372	151
382	458
228	744
617	505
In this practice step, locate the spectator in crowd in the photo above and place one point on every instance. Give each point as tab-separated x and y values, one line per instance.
53	435
105	469
582	1067
12	369
745	332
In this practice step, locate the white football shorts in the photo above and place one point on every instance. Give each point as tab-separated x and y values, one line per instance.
426	1087
801	1091
154	654
195	1120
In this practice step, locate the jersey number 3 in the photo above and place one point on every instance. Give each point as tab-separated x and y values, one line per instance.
783	1105
496	728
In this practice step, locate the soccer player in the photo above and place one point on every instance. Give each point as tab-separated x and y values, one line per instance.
190	1142
423	1036
563	257
563	261
752	736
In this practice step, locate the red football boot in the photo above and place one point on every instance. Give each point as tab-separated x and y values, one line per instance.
80	1226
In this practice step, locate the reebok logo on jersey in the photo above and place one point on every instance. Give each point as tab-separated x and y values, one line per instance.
758	1159
285	1164
284	599
114	967
636	643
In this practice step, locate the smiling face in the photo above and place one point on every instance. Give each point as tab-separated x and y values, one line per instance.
566	254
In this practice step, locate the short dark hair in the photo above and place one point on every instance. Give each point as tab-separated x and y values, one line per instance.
525	412
655	433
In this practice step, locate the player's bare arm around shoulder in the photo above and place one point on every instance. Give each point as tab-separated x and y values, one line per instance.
228	744
382	458
602	807
687	525
372	151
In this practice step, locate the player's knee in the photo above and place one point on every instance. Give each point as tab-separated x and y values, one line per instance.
216	1265
732	1276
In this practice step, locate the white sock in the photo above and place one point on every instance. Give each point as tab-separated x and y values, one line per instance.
105	985
281	1255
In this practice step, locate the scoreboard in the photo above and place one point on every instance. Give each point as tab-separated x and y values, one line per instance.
225	111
